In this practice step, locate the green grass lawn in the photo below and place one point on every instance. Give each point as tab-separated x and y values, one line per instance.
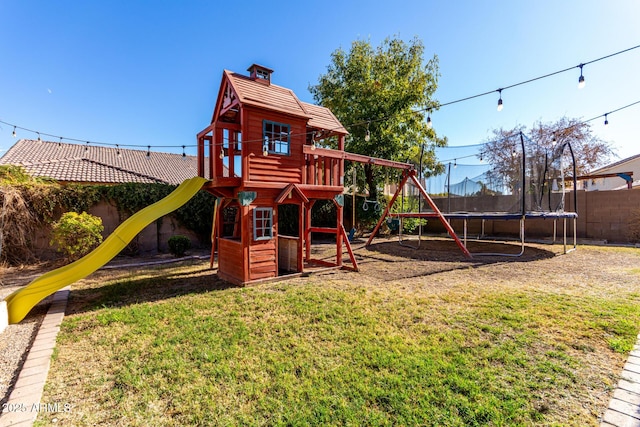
172	346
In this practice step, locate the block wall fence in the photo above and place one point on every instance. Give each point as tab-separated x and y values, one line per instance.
602	215
152	239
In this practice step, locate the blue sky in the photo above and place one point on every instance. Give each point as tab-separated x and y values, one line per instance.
148	72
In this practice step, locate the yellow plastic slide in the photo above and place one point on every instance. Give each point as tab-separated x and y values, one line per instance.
20	302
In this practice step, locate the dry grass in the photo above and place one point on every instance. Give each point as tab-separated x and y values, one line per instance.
16	227
536	340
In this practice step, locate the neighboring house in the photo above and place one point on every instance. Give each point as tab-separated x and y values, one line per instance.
607	178
91	164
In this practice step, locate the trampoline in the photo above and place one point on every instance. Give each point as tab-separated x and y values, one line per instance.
529	182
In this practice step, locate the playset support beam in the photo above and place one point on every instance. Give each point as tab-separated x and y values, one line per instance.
410	174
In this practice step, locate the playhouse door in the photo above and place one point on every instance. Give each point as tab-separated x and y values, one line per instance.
289	245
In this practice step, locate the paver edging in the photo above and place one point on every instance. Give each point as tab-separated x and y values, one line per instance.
27	393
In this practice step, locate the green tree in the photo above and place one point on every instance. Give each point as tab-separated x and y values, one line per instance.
384	93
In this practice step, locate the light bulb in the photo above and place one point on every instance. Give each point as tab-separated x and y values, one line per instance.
39	139
429	121
367	136
148	151
581	82
14	132
606	120
184	156
221	153
117	150
265	152
455	163
499	99
313	145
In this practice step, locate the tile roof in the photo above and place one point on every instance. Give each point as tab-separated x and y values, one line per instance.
98	164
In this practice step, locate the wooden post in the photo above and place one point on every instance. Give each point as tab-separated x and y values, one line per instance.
327	171
214	226
349	250
301	237
443	220
339	229
312	171
405	177
201	156
307	231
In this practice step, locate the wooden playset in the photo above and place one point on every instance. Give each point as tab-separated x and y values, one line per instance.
259	153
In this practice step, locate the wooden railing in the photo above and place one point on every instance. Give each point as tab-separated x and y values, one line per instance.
321	170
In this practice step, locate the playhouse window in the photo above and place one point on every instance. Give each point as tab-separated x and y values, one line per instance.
262	223
231	222
276	137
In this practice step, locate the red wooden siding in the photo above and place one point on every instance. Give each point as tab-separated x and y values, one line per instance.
274	167
230	266
263	259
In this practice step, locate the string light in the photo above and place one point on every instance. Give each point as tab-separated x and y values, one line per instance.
39	139
367	136
606	121
537	78
86	147
265	147
148	151
455	163
424	109
183	153
14	132
500	100
117	150
429	124
581	82
60	143
221	153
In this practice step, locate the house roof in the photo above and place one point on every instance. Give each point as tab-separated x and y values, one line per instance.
615	164
323	118
98	164
277	98
269	96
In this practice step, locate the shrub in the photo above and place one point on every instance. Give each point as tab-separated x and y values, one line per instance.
178	244
77	234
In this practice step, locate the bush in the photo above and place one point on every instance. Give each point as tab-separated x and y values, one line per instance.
77	234
178	244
